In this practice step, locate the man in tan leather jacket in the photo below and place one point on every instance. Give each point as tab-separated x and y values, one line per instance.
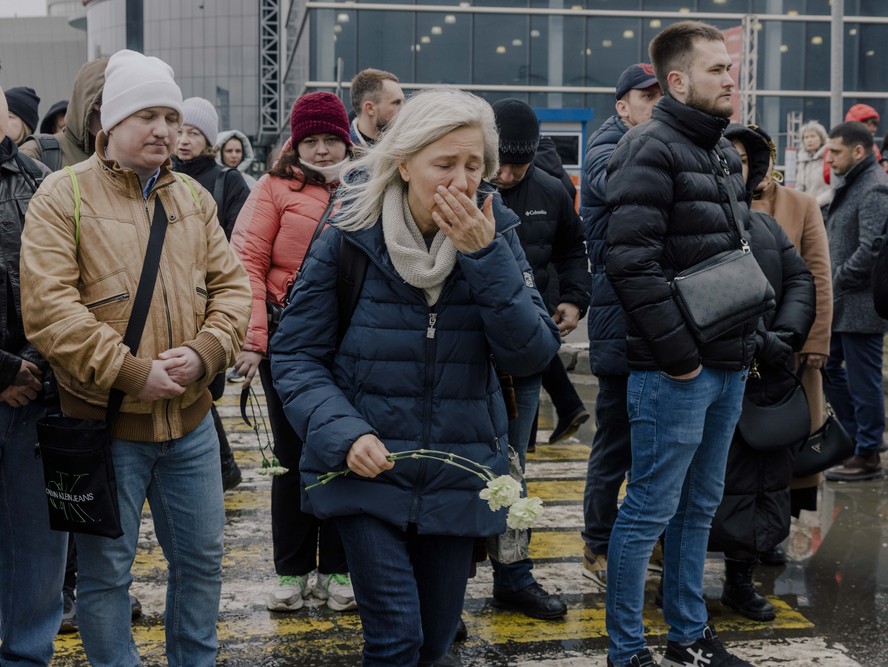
77	298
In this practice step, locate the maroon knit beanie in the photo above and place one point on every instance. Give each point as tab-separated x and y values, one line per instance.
318	113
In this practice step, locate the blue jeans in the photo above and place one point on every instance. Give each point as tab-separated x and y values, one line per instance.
515	576
409	589
855	389
609	461
32	557
181	481
681	433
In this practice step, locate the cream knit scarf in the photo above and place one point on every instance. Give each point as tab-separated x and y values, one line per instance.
419	265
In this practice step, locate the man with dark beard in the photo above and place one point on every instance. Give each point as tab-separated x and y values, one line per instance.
667	191
376	98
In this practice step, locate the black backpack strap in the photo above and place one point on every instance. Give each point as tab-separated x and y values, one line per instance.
349	282
219	188
50	151
139	313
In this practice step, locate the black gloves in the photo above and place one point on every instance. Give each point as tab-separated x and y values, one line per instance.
773	348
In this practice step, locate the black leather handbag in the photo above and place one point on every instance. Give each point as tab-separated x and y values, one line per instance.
826	447
78	468
779	425
727	289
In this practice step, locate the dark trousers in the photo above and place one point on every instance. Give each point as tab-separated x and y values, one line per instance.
609	460
300	540
854	389
409	588
557	384
217	389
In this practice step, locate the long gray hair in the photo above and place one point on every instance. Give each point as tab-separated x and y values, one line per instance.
426	117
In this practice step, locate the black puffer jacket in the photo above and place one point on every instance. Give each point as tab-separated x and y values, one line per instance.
205	171
754	513
20	176
550	232
667	214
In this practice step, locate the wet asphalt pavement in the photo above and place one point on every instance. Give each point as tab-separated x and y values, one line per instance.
831	597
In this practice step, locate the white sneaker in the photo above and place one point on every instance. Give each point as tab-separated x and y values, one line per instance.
337	590
288	594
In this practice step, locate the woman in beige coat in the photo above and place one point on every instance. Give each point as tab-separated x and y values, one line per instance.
799	216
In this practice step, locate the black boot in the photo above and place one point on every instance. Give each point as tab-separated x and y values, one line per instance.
739	592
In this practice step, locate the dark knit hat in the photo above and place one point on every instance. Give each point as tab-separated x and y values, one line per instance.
317	113
23	102
47	125
519	131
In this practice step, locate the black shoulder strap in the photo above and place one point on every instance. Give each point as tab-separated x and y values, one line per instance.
724	175
30	171
219	188
139	314
349	281
50	151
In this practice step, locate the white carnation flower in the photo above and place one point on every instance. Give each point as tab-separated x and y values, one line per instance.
501	492
523	513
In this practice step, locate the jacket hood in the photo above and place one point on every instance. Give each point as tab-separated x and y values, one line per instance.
812	125
87	91
249	155
757	150
46	125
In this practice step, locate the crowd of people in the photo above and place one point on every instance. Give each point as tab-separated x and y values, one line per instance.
401	283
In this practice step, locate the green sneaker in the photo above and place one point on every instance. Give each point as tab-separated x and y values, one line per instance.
337	590
288	594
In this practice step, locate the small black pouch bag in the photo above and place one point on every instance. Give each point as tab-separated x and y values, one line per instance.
78	469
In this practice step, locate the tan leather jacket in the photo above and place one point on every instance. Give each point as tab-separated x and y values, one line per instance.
76	299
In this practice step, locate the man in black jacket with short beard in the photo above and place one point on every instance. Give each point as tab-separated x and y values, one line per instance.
32	557
670	211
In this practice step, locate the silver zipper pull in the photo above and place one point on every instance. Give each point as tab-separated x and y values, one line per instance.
430	331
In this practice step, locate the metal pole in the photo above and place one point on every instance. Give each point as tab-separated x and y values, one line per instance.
837	63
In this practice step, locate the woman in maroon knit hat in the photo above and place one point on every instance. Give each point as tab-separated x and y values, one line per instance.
272	235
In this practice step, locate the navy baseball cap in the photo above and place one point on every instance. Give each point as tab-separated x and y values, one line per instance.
636	77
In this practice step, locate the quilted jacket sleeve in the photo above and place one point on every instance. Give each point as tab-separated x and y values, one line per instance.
640	197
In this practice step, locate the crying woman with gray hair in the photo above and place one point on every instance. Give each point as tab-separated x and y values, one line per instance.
445	293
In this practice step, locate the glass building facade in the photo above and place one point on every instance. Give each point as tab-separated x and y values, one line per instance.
568	54
212	45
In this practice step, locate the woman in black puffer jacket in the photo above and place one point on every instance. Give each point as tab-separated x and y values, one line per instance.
754	513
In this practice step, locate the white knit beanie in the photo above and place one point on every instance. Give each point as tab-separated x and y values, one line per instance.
201	113
134	82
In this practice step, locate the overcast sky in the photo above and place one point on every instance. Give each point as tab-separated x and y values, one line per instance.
9	8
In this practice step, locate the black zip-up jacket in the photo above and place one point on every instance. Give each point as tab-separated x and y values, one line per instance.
550	232
204	169
19	178
668	213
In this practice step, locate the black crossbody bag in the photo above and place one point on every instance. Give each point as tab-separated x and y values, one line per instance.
727	289
78	468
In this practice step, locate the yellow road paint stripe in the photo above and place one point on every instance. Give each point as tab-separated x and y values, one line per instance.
556	544
340	634
572	452
557	490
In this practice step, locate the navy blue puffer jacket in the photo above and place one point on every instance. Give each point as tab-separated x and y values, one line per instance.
416	377
607	323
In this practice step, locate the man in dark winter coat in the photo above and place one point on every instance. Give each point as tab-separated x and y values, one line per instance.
856	218
32	557
549	233
637	93
668	193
